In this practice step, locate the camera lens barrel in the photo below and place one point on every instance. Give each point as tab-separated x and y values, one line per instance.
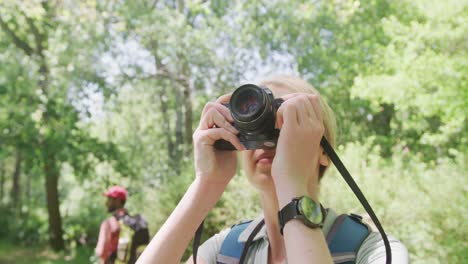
252	108
247	103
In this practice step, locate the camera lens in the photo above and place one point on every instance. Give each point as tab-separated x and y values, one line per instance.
251	106
247	103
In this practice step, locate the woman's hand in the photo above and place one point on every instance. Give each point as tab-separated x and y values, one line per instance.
296	163
212	165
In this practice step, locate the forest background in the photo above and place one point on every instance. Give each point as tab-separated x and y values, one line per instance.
96	93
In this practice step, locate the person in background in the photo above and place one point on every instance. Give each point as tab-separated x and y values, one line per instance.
107	244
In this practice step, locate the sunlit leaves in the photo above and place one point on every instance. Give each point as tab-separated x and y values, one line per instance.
422	71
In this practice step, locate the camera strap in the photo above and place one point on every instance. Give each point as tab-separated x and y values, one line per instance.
351	183
354	187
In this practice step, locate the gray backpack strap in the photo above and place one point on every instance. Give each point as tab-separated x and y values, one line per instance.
345	238
231	249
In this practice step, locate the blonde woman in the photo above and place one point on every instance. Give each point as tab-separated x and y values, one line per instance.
284	176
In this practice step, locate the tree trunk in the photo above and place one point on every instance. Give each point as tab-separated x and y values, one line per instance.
51	185
166	121
179	119
51	172
382	120
188	114
179	139
2	181
16	187
28	188
186	97
180	6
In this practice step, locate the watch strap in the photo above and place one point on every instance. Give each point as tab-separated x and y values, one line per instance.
287	213
291	211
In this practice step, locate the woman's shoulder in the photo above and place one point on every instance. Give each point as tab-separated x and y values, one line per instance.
210	248
372	250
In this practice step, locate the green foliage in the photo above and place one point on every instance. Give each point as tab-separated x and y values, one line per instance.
41	117
36	254
422	74
27	229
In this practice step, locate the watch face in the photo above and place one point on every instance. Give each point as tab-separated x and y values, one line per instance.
311	210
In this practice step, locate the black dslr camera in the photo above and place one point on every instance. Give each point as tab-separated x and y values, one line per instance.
253	109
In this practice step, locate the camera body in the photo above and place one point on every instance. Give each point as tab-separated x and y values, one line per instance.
253	109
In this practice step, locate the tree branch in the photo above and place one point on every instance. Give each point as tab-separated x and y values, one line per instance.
155	3
16	40
38	37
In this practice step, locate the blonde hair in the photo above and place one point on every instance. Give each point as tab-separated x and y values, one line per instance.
297	84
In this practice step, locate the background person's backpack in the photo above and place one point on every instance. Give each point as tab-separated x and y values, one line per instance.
133	238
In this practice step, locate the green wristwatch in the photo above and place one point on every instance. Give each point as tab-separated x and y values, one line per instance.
304	208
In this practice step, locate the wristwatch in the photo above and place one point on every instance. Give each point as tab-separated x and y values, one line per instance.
303	208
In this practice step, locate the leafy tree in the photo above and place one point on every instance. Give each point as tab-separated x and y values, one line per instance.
421	73
42	118
160	92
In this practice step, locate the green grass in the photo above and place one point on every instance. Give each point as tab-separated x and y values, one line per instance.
39	254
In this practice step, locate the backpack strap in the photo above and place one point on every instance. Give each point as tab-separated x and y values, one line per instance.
120	213
345	238
231	249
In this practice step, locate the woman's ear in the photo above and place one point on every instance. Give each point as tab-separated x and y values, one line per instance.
324	160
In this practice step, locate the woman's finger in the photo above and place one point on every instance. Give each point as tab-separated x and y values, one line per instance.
309	105
224	98
213	118
304	110
280	112
316	106
210	136
314	102
287	113
221	108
